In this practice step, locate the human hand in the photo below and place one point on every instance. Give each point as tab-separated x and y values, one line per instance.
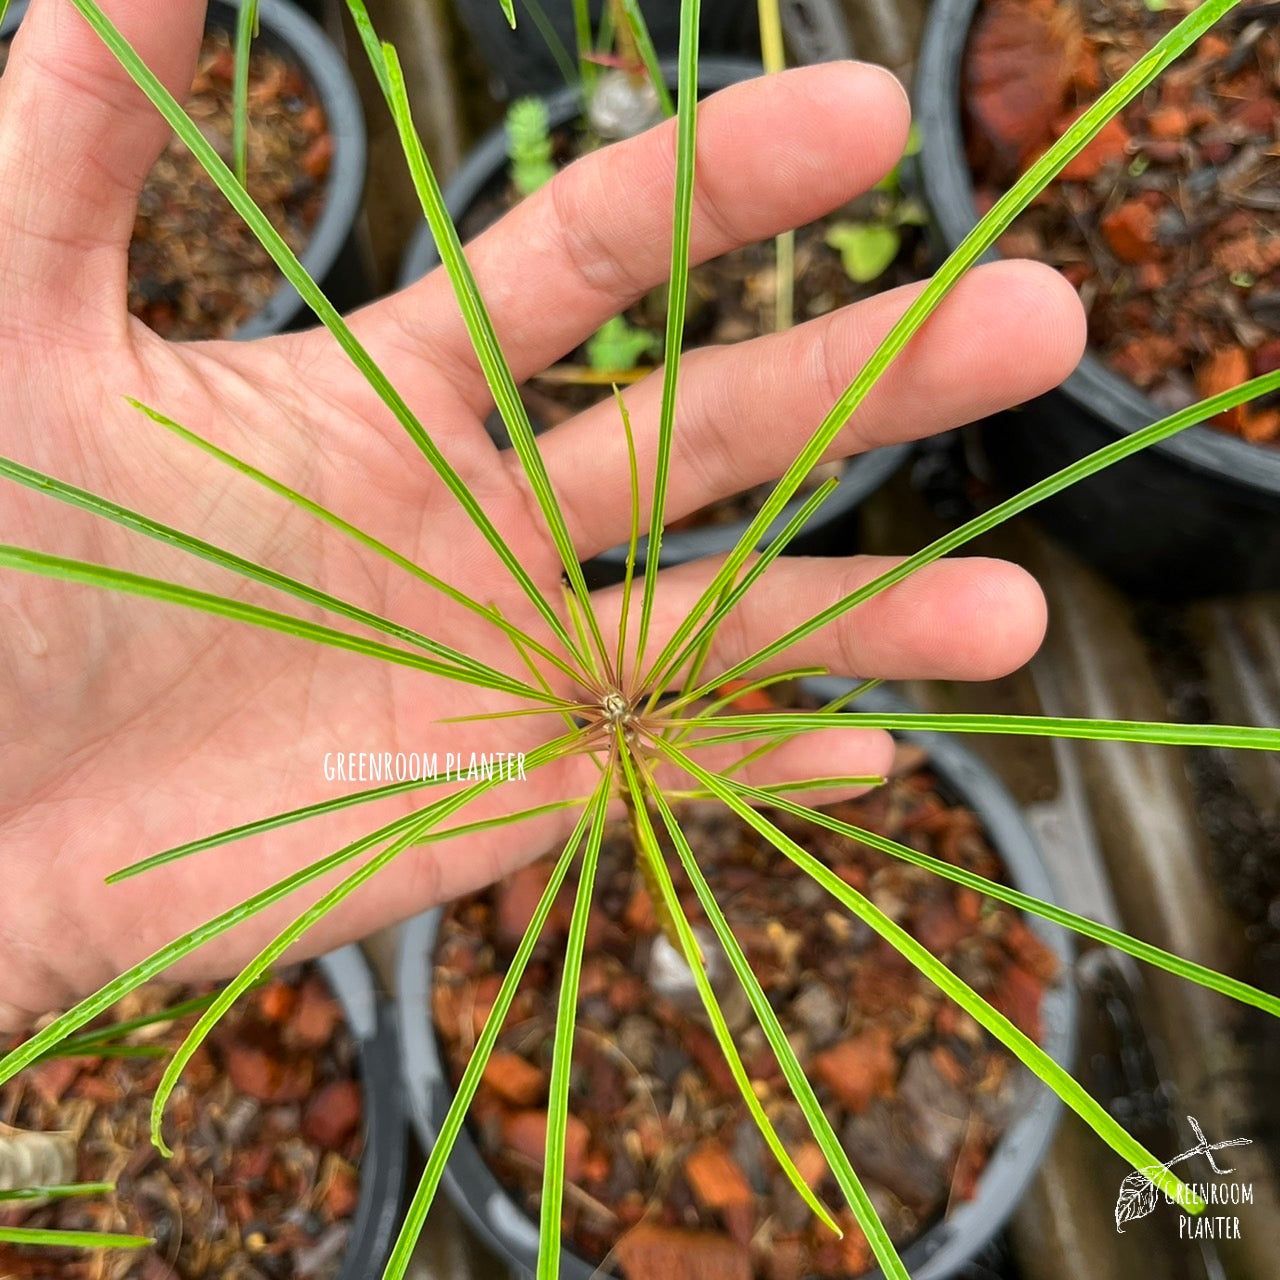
128	726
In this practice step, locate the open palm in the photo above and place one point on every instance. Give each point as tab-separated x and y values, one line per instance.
129	725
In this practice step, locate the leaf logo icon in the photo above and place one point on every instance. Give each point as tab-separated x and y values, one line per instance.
1138	1195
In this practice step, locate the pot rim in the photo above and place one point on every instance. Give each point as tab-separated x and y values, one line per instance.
496	1218
372	1021
949	193
860	476
286	26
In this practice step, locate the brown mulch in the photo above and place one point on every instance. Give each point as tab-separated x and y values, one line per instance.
266	1128
195	269
1167	223
666	1167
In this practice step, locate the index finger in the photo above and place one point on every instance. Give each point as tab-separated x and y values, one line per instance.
773	153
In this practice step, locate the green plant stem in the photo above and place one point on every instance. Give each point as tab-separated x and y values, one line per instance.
587	69
773	55
648	54
246	32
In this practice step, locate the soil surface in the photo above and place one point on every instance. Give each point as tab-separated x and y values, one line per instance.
667	1173
1168	223
731	299
195	269
267	1133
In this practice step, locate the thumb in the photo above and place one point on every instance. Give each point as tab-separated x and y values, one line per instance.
77	140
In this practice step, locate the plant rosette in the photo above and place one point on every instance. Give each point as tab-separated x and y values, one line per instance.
195	270
1165	224
730	299
666	1170
287	1131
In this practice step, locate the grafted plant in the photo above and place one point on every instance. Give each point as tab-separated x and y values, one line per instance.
642	711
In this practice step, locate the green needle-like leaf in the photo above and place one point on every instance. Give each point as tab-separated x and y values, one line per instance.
246	32
72	1239
733	595
551	38
1102	458
669	906
509	12
644	44
850	1185
153	529
275	821
1135	947
485	612
1020	1044
633	540
484	338
732	695
844	700
21	1194
292	269
96	575
553	1174
756	725
974	245
99	1040
251	974
677	297
402	1254
587	70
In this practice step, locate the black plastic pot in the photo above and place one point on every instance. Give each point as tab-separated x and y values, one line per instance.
1195	515
521	61
944	1249
832	531
330	256
371	1021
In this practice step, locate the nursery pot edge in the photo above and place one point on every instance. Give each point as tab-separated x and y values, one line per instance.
291	32
1191	515
371	1020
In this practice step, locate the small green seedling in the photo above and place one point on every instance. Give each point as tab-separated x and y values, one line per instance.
618	346
529	145
868	246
